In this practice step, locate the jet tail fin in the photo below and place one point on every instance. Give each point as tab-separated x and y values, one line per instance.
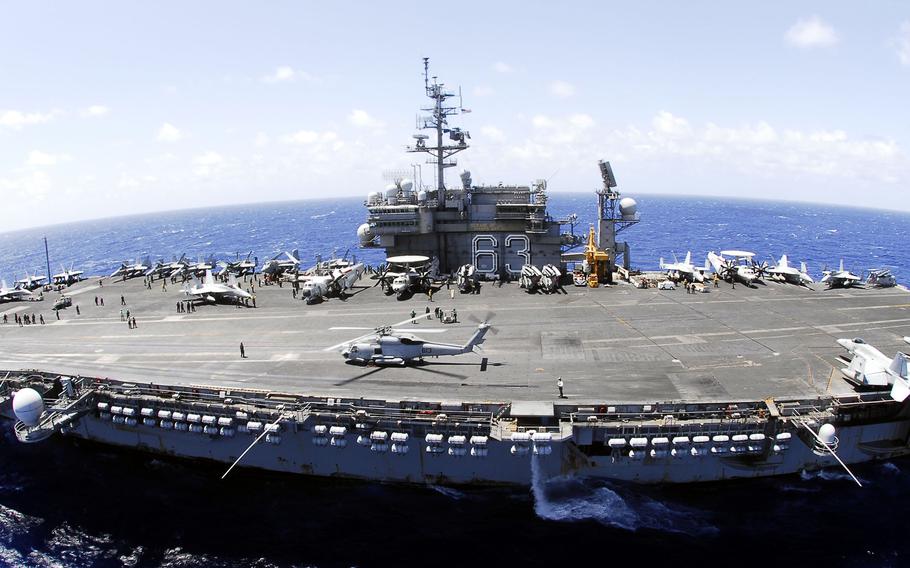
209	279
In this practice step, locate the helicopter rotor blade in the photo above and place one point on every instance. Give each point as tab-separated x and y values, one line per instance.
358	377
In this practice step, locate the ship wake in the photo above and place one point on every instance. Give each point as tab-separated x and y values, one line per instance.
566	499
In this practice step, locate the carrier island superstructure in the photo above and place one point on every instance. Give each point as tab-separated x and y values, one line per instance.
496	228
659	386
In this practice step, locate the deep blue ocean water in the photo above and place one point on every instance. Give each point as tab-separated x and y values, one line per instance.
68	505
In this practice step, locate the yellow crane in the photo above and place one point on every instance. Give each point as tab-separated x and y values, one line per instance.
598	261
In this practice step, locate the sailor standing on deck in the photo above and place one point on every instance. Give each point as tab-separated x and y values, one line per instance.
559	385
242	351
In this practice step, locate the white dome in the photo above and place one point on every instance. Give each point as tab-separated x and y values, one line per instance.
421	196
365	233
391	191
374	196
28	406
627	207
826	433
407	185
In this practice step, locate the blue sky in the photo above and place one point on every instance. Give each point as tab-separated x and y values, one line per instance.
115	108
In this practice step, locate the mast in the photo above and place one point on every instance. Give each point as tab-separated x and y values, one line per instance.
438	120
47	258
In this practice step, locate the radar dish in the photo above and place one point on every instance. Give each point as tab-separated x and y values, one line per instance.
737	253
407	259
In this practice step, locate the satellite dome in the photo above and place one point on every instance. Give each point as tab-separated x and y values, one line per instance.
365	233
374	196
421	196
627	207
407	185
826	434
28	406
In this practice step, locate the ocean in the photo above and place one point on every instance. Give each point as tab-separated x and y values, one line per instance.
63	504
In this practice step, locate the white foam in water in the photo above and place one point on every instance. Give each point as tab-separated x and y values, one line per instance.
578	502
828	475
449	492
890	468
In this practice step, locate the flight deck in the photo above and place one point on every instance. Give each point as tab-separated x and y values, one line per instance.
613	344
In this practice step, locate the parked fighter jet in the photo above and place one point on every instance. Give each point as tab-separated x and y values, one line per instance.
126	270
317	287
13	294
466	279
867	366
282	263
213	292
550	279
165	269
389	346
840	278
240	266
68	277
530	278
685	270
786	273
201	266
881	278
31	282
734	264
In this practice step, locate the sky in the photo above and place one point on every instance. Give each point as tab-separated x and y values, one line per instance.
131	107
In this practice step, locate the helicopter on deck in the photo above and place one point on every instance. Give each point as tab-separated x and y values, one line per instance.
386	345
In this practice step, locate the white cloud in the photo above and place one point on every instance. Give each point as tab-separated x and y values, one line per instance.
667	124
262	139
34	186
285	74
903	43
37	158
502	67
18	119
482	91
812	33
493	133
207	164
760	149
301	137
363	119
562	89
561	130
169	133
96	110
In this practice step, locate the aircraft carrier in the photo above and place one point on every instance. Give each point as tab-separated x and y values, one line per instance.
657	385
660	386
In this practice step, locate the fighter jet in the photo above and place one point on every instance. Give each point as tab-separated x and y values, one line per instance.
165	269
282	263
530	278
214	292
685	270
389	346
68	277
734	264
466	278
881	278
840	278
13	294
317	287
201	266
239	267
31	282
869	367
127	271
786	273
